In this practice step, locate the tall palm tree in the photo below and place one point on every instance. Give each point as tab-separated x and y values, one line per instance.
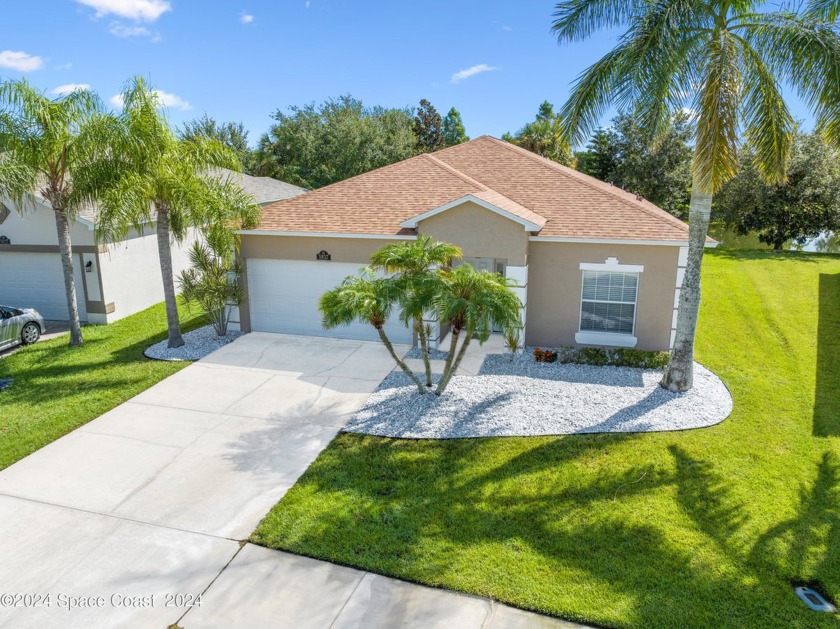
724	60
415	262
165	181
43	144
473	302
368	299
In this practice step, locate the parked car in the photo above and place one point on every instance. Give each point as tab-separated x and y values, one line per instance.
20	326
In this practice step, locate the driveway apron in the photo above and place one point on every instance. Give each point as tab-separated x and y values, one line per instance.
122	521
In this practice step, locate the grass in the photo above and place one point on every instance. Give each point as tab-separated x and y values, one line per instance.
704	528
58	388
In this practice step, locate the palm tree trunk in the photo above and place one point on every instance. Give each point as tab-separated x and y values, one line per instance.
451	362
165	254
400	362
679	375
65	248
424	350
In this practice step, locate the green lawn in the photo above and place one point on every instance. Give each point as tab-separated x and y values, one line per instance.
58	388
705	528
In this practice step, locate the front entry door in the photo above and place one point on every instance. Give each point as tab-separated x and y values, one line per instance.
491	265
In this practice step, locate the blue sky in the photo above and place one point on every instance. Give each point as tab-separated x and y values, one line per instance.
243	59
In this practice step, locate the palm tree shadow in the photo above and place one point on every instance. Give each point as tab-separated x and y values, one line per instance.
827	390
806	548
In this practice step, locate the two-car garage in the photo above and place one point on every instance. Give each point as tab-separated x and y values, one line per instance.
283	297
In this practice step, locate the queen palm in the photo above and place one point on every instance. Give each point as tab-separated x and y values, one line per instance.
165	181
724	60
43	143
368	299
472	303
415	262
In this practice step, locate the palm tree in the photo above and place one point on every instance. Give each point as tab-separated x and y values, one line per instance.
473	302
723	60
167	182
368	299
415	262
43	144
212	281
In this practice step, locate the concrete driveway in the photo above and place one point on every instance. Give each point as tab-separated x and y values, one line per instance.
152	498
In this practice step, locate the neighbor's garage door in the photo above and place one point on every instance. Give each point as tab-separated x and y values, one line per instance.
35	280
283	297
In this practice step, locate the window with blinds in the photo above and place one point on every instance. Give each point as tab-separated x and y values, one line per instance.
608	302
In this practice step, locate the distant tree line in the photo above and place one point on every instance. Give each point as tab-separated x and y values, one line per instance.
318	144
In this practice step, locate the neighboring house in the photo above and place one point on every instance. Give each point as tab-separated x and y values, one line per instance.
112	281
595	265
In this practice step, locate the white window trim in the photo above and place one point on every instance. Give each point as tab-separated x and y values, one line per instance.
598	337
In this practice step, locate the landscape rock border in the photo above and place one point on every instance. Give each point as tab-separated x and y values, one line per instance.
521	397
197	344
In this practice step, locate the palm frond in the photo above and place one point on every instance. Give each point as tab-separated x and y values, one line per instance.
575	20
805	51
718	101
769	127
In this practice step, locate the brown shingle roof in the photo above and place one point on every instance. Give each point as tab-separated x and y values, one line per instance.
569	203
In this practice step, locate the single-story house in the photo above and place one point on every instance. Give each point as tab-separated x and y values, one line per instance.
595	265
112	281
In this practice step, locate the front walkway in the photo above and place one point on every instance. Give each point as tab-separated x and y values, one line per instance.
130	517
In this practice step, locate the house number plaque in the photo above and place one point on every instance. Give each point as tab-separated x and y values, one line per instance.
323	255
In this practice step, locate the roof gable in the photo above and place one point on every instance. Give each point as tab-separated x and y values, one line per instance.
491	201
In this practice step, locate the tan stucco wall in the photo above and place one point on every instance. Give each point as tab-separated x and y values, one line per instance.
480	233
306	248
554	285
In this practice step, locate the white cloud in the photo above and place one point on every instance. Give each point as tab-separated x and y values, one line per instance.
64	66
466	73
246	18
20	61
139	10
166	99
307	4
507	28
122	30
70	87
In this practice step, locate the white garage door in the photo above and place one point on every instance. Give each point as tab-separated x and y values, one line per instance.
283	297
35	280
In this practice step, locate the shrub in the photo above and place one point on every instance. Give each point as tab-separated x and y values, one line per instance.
213	283
602	357
545	355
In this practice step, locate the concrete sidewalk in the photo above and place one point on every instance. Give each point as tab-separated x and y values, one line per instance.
127	520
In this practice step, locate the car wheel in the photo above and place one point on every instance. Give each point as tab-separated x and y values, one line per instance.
30	333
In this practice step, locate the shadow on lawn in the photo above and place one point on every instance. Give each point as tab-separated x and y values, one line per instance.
827	392
407	505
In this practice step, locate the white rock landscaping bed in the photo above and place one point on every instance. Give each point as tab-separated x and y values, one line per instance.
525	398
197	344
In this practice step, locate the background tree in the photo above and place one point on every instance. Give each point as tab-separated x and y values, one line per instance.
44	143
163	181
544	136
725	61
659	170
316	145
428	127
798	209
600	159
453	128
234	135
